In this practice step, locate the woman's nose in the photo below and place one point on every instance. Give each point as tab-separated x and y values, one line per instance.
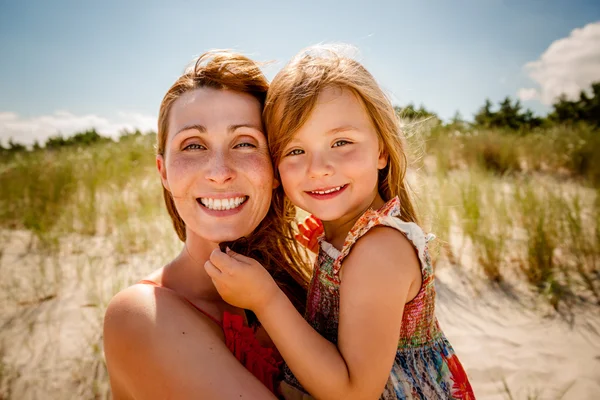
220	169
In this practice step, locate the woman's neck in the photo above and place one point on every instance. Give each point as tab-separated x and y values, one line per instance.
186	274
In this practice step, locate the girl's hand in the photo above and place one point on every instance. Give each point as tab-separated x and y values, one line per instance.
241	281
309	232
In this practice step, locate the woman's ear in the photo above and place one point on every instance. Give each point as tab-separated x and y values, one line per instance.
162	170
276	183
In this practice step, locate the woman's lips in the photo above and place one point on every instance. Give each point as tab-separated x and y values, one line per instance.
222	206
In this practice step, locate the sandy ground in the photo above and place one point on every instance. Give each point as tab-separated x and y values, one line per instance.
51	309
510	340
50	327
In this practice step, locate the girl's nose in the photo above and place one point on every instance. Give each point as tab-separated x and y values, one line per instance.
319	166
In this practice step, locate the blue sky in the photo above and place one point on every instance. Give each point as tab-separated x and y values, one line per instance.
108	63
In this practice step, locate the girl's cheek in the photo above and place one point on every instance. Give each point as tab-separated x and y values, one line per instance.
357	157
291	166
286	174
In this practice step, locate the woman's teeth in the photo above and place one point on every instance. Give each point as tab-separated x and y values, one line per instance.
335	189
222	204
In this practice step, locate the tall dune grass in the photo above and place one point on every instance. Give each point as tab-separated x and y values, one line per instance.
91	220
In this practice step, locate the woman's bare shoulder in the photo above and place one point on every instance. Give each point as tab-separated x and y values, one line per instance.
158	346
146	330
148	313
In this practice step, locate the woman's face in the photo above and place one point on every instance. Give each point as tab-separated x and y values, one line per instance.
216	163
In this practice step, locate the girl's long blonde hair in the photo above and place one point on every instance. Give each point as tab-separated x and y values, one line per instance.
272	243
293	95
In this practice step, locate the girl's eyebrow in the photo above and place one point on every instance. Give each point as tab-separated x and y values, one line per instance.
342	128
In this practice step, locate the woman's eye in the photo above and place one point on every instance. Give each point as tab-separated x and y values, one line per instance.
295	152
194	146
341	143
245	144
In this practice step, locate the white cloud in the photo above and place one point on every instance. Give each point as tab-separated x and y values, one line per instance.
528	94
26	130
569	65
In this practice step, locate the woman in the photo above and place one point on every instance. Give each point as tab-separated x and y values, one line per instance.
171	335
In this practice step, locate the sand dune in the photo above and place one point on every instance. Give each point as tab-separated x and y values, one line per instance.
507	337
50	333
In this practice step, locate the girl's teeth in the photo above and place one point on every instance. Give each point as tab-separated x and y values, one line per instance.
328	190
222	204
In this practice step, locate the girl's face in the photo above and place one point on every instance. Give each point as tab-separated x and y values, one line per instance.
330	167
216	163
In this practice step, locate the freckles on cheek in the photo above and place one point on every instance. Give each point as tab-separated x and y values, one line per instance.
259	167
180	171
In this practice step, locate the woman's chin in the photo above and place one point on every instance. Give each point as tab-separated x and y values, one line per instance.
222	235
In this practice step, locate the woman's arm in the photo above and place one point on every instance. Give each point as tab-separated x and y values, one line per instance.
158	347
378	277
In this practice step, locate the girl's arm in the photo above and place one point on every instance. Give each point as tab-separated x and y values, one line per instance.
379	275
158	347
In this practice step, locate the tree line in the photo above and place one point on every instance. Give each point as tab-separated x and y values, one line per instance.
510	115
85	138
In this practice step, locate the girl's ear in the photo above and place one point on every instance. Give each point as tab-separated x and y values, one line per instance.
382	160
162	170
276	183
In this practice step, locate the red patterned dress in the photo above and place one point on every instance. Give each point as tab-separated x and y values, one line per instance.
425	366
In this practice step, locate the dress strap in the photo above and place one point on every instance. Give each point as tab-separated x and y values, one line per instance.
152	283
388	215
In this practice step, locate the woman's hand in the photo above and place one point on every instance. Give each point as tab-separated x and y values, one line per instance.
241	281
309	232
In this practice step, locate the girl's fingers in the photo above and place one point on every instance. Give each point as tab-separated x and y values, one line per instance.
212	270
222	261
238	257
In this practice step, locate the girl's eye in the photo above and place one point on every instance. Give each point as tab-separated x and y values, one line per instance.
341	143
295	152
245	144
194	146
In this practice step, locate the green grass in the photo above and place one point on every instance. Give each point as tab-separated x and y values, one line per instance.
525	206
559	151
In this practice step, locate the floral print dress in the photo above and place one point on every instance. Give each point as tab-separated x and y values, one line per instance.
425	366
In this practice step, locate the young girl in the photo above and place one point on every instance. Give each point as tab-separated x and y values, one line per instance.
369	330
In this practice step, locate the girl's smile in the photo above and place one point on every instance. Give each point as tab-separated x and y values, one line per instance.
327	193
330	167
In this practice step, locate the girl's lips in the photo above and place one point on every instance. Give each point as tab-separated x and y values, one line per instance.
327	196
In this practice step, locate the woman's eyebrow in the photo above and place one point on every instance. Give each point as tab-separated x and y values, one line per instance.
198	127
232	128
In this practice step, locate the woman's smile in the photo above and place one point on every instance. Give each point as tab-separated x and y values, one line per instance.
222	205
